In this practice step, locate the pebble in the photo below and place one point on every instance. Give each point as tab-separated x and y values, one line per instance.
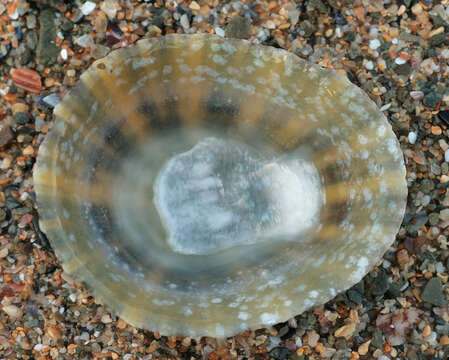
436	130
110	8
444	340
51	100
88	7
446	155
219	31
64	54
444	116
374	44
12	311
106	319
47	51
412	137
185	23
6	134
345	331
400	61
31	21
239	27
369	65
444	215
416	95
433	292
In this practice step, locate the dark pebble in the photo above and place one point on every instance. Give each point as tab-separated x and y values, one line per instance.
437	40
31	40
378	339
444	116
279	353
355	296
6	135
66	25
404	69
394	291
433	292
113	34
380	284
239	28
11	203
47	51
21	118
4	49
19	33
432	99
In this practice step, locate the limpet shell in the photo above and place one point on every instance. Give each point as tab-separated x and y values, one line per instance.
204	186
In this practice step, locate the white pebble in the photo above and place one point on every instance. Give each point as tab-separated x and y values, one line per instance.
219	31
88	7
374	44
446	155
385	107
37	347
185	22
400	61
412	137
369	65
64	54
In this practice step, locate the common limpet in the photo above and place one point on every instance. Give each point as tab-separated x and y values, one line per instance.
203	186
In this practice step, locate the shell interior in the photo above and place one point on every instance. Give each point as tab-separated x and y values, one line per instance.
203	186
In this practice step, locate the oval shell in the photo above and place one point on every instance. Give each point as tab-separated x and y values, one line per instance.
136	110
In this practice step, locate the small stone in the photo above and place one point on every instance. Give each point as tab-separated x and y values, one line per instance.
12	311
416	95
113	34
47	51
64	54
84	40
21	118
444	116
19	107
239	27
6	134
417	9
426	331
444	215
185	23
121	324
433	292
194	6
355	296
437	40
400	61
51	100
369	65
54	333
374	44
27	79
380	284
4	252
106	319
345	331
312	338
436	130
402	257
432	99
412	137
110	8
363	348
219	31
444	340
88	7
31	21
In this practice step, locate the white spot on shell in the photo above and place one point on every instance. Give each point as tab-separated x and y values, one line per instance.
243	315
